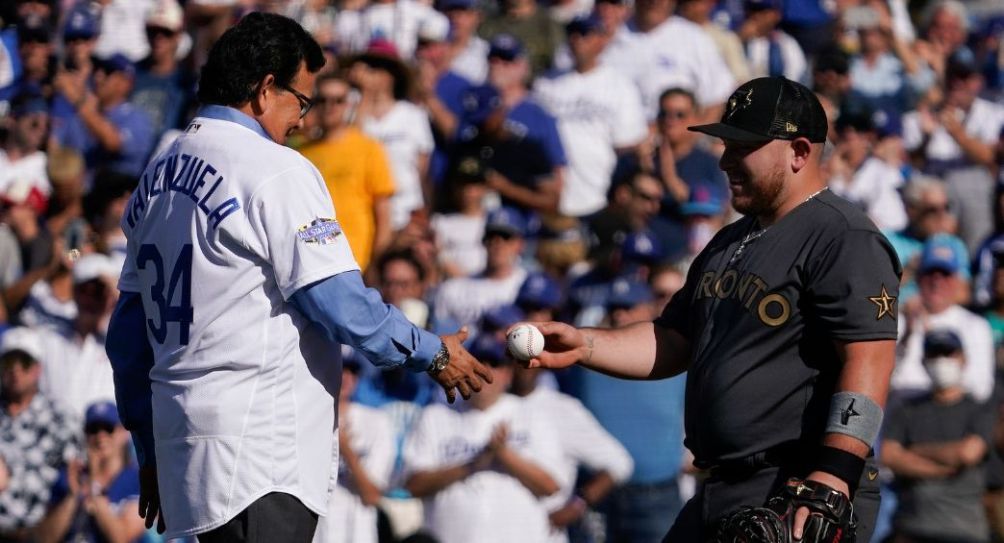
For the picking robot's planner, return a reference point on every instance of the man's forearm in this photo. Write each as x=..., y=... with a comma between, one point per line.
x=905, y=463
x=529, y=474
x=948, y=453
x=104, y=131
x=369, y=492
x=427, y=483
x=637, y=351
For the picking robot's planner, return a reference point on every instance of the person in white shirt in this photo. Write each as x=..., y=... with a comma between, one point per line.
x=956, y=138
x=482, y=468
x=397, y=21
x=584, y=443
x=662, y=50
x=864, y=178
x=465, y=299
x=366, y=457
x=769, y=50
x=460, y=230
x=469, y=51
x=938, y=276
x=599, y=114
x=237, y=290
x=76, y=371
x=123, y=29
x=22, y=160
x=402, y=127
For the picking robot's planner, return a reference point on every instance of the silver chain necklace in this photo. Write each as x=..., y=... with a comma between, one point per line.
x=756, y=234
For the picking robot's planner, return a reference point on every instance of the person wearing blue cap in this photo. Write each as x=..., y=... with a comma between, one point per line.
x=110, y=131
x=516, y=166
x=939, y=281
x=539, y=297
x=482, y=469
x=937, y=447
x=80, y=37
x=532, y=25
x=526, y=120
x=466, y=299
x=862, y=177
x=599, y=113
x=97, y=498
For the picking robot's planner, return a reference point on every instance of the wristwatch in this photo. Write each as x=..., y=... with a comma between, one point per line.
x=440, y=361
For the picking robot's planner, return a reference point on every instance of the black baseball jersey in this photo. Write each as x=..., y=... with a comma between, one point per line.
x=763, y=363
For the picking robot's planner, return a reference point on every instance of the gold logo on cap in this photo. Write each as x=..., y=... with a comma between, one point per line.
x=746, y=95
x=790, y=127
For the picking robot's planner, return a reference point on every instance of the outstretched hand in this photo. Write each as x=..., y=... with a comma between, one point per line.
x=464, y=373
x=564, y=345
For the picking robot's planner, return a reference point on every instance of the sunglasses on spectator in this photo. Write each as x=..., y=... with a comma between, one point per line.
x=332, y=100
x=305, y=102
x=154, y=31
x=96, y=427
x=674, y=114
x=646, y=196
x=934, y=210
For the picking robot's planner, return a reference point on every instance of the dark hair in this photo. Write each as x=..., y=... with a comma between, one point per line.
x=677, y=91
x=405, y=255
x=258, y=45
x=19, y=357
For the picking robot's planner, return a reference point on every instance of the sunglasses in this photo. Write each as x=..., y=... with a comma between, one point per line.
x=154, y=31
x=332, y=100
x=96, y=427
x=935, y=210
x=673, y=114
x=305, y=102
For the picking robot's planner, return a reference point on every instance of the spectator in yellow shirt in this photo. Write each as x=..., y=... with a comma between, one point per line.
x=356, y=171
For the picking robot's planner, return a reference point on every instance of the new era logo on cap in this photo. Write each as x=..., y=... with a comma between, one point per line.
x=770, y=108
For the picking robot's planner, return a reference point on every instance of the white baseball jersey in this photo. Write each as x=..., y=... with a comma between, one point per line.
x=75, y=371
x=224, y=227
x=406, y=135
x=349, y=520
x=875, y=187
x=459, y=239
x=465, y=299
x=489, y=506
x=583, y=442
x=596, y=111
x=982, y=122
x=471, y=62
x=19, y=177
x=758, y=54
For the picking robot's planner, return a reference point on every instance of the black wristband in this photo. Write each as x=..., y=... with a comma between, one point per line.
x=842, y=464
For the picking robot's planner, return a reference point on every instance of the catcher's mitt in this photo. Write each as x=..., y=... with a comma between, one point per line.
x=831, y=517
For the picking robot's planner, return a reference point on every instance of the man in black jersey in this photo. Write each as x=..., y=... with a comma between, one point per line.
x=786, y=327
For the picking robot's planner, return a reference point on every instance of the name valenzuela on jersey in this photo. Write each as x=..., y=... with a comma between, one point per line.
x=185, y=174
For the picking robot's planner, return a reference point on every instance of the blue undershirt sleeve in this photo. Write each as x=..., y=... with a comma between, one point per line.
x=353, y=314
x=131, y=357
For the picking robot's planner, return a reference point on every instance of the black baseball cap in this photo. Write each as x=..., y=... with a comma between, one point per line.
x=770, y=108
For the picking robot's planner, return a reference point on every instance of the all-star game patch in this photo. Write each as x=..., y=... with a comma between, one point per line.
x=319, y=231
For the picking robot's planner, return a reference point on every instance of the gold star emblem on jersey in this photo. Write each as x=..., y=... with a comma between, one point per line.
x=886, y=304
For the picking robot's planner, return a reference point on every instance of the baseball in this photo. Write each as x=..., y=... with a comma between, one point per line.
x=525, y=341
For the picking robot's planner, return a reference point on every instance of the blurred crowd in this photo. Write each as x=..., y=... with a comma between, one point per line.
x=499, y=161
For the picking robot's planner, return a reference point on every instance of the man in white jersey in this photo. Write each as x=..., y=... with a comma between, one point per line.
x=599, y=114
x=237, y=288
x=482, y=468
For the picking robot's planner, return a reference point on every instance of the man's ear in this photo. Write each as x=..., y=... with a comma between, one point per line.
x=801, y=153
x=263, y=94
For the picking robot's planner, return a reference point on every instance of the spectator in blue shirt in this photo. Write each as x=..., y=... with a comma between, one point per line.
x=164, y=89
x=97, y=500
x=111, y=132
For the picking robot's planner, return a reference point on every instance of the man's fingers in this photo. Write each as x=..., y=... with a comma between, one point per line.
x=799, y=525
x=483, y=371
x=465, y=391
x=474, y=383
x=161, y=526
x=451, y=395
x=462, y=334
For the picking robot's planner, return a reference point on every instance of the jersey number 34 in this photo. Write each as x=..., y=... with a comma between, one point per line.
x=181, y=276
